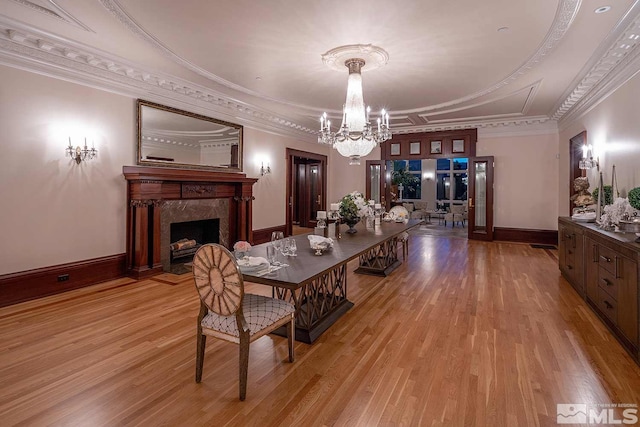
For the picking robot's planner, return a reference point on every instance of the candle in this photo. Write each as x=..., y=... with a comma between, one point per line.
x=378, y=124
x=329, y=125
x=335, y=206
x=321, y=123
x=387, y=116
x=368, y=111
x=69, y=141
x=378, y=206
x=371, y=202
x=322, y=214
x=344, y=114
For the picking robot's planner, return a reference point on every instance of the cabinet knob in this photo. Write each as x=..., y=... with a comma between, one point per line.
x=605, y=259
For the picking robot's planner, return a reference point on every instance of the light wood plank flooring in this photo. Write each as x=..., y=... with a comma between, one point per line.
x=463, y=334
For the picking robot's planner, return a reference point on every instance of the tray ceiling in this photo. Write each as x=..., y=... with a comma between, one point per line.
x=451, y=64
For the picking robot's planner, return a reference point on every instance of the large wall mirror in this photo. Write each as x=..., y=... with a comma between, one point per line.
x=177, y=138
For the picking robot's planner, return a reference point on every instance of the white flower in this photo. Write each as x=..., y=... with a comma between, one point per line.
x=620, y=209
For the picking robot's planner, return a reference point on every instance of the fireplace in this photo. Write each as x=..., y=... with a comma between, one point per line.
x=158, y=197
x=187, y=237
x=206, y=221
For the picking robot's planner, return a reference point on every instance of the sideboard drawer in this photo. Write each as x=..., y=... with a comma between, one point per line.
x=608, y=306
x=608, y=260
x=608, y=282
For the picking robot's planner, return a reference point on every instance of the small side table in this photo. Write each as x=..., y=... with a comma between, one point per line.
x=437, y=214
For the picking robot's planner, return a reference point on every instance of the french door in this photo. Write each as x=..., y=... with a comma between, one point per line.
x=480, y=198
x=375, y=186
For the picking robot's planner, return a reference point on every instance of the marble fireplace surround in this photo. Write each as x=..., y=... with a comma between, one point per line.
x=157, y=196
x=191, y=210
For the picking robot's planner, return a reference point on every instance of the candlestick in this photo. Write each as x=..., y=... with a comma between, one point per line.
x=322, y=215
x=335, y=206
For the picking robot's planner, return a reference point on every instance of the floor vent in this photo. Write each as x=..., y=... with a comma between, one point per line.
x=543, y=246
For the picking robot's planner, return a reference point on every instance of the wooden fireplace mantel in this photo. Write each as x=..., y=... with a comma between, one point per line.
x=148, y=187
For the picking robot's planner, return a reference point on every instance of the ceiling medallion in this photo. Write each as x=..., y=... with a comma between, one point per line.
x=356, y=137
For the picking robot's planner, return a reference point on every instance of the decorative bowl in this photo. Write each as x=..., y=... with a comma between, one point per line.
x=319, y=243
x=631, y=225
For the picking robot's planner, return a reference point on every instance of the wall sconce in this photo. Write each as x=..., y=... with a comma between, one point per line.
x=79, y=154
x=263, y=170
x=587, y=161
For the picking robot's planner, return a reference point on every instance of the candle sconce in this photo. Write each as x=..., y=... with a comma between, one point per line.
x=263, y=170
x=79, y=154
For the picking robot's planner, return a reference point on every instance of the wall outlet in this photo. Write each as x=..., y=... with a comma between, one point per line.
x=63, y=278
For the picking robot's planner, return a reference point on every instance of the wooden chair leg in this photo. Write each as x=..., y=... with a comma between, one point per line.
x=244, y=365
x=291, y=337
x=201, y=343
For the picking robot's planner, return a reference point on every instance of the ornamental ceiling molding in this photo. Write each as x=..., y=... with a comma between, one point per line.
x=55, y=11
x=37, y=51
x=124, y=18
x=613, y=64
x=525, y=124
x=565, y=14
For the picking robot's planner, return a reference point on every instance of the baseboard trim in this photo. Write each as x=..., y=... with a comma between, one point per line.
x=37, y=283
x=264, y=234
x=522, y=235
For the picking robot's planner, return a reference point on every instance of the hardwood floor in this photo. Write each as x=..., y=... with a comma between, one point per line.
x=464, y=333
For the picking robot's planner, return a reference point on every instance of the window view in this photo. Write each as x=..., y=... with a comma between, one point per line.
x=406, y=175
x=451, y=181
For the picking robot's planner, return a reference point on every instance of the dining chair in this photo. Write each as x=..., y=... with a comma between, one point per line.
x=227, y=313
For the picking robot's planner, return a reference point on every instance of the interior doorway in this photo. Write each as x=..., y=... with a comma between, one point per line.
x=306, y=188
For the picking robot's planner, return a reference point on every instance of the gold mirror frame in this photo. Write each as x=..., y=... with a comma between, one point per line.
x=170, y=137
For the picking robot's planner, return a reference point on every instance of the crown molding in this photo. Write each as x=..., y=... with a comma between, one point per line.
x=611, y=65
x=27, y=48
x=565, y=14
x=533, y=123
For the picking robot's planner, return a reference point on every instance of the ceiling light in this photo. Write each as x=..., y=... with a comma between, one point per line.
x=356, y=137
x=603, y=9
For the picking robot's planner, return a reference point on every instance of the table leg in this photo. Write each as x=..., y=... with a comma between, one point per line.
x=318, y=303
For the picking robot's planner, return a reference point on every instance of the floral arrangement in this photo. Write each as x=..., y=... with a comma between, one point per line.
x=620, y=209
x=354, y=205
x=242, y=246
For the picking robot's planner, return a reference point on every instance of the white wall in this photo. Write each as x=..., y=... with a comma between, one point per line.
x=53, y=210
x=270, y=190
x=525, y=179
x=614, y=131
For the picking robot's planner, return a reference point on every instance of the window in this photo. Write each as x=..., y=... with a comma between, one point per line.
x=452, y=181
x=409, y=174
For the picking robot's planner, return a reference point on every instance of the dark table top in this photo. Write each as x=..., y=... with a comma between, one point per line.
x=307, y=266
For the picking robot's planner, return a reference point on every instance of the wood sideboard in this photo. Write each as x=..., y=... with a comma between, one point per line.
x=149, y=187
x=602, y=266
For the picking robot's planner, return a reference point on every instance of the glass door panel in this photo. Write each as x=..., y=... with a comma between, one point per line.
x=375, y=181
x=480, y=203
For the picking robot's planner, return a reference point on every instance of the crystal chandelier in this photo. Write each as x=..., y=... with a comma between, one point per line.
x=355, y=138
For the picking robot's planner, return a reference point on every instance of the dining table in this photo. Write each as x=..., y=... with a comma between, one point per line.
x=317, y=284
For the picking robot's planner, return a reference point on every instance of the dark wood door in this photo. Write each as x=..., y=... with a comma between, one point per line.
x=480, y=199
x=306, y=188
